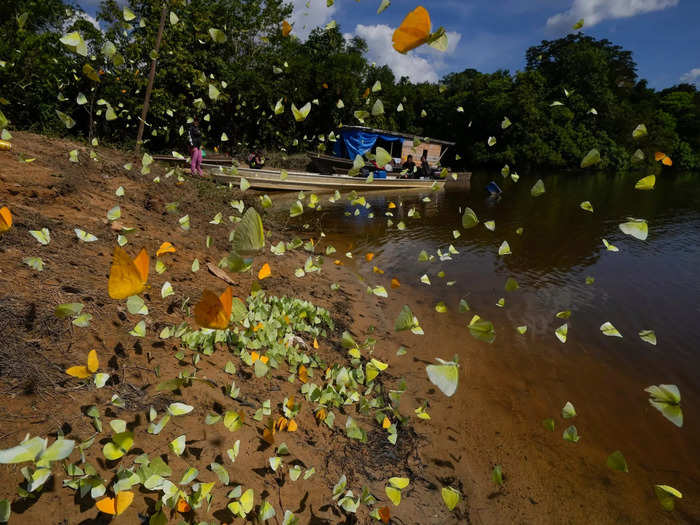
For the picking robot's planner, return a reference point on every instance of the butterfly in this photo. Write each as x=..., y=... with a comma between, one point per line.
x=5, y=219
x=127, y=277
x=83, y=372
x=301, y=114
x=212, y=311
x=166, y=247
x=264, y=271
x=303, y=374
x=414, y=31
x=665, y=159
x=286, y=28
x=116, y=505
x=183, y=507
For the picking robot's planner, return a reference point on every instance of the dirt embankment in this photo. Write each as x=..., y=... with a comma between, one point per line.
x=39, y=398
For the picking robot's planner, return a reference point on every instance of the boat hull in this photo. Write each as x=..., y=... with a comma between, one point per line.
x=295, y=181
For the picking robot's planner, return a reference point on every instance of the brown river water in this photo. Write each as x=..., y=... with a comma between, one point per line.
x=508, y=387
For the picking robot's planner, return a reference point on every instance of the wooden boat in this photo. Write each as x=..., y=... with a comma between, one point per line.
x=268, y=179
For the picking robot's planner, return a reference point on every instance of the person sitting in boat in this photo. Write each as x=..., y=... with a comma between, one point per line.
x=408, y=169
x=256, y=161
x=425, y=169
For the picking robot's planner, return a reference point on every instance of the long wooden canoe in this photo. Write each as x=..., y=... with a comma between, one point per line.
x=267, y=179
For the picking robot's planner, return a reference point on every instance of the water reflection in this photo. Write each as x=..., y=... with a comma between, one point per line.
x=650, y=284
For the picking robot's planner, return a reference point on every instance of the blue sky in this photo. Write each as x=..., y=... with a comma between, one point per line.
x=494, y=34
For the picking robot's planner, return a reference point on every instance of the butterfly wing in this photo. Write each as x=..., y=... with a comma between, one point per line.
x=209, y=312
x=166, y=247
x=226, y=300
x=107, y=505
x=124, y=276
x=5, y=219
x=81, y=372
x=413, y=31
x=286, y=28
x=141, y=262
x=264, y=271
x=123, y=500
x=93, y=363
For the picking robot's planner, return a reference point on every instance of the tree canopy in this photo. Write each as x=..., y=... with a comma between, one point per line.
x=228, y=62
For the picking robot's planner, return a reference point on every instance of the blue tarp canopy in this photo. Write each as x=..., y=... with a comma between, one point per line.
x=359, y=142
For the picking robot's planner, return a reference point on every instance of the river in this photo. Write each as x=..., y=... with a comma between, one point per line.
x=651, y=284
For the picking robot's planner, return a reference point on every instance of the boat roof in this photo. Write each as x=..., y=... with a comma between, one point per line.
x=427, y=140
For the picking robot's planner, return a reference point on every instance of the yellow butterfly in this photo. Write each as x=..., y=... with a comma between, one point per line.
x=166, y=247
x=5, y=219
x=414, y=31
x=116, y=505
x=212, y=311
x=127, y=277
x=83, y=372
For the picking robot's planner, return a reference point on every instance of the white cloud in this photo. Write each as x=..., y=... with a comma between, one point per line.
x=421, y=65
x=692, y=76
x=305, y=19
x=595, y=11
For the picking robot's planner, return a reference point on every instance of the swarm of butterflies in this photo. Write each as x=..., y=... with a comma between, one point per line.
x=128, y=277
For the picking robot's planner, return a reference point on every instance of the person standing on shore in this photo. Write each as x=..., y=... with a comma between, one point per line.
x=194, y=136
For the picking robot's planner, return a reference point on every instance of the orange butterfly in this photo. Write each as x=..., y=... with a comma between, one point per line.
x=83, y=372
x=385, y=514
x=166, y=247
x=414, y=31
x=395, y=283
x=5, y=219
x=286, y=28
x=264, y=271
x=369, y=256
x=183, y=507
x=212, y=311
x=127, y=277
x=366, y=93
x=303, y=374
x=254, y=356
x=269, y=432
x=116, y=505
x=665, y=159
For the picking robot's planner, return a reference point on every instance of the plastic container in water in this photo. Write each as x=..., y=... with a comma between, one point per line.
x=5, y=146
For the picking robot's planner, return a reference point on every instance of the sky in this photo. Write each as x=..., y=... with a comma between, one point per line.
x=488, y=35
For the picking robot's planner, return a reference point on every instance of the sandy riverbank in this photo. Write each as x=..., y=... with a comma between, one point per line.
x=494, y=418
